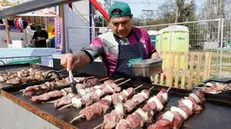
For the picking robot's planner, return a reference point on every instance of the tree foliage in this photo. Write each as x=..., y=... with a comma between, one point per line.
x=185, y=11
x=212, y=9
x=169, y=12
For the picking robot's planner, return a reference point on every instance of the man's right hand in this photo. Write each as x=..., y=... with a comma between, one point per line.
x=69, y=61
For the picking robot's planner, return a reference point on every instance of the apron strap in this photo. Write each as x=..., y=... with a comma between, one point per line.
x=137, y=39
x=149, y=48
x=119, y=42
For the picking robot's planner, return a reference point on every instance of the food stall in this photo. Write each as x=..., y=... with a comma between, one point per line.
x=17, y=31
x=36, y=96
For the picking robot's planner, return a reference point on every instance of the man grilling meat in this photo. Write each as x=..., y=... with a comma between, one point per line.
x=118, y=48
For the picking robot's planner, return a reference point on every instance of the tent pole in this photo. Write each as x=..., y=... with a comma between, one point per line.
x=7, y=32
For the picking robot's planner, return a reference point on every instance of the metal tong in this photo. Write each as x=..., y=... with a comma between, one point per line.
x=3, y=62
x=72, y=83
x=56, y=72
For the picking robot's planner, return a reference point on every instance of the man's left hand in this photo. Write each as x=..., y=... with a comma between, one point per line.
x=155, y=55
x=41, y=39
x=38, y=39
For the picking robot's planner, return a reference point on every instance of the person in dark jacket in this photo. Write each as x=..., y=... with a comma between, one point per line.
x=40, y=36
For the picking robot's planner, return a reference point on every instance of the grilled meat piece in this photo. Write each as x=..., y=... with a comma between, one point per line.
x=96, y=109
x=161, y=124
x=13, y=81
x=91, y=81
x=111, y=119
x=130, y=105
x=47, y=96
x=135, y=120
x=65, y=100
x=123, y=124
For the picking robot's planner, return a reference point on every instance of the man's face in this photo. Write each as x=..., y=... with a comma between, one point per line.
x=121, y=26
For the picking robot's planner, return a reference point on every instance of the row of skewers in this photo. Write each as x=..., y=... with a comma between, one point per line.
x=136, y=117
x=175, y=116
x=98, y=98
x=59, y=84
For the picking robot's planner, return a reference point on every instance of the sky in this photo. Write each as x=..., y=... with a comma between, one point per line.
x=138, y=5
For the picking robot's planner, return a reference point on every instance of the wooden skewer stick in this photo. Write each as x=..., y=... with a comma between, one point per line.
x=76, y=118
x=100, y=125
x=124, y=82
x=151, y=88
x=119, y=79
x=103, y=79
x=66, y=106
x=138, y=87
x=169, y=89
x=89, y=77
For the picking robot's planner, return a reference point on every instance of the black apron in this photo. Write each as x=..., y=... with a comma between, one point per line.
x=127, y=55
x=40, y=44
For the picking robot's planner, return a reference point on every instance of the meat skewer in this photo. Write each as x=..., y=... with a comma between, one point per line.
x=82, y=90
x=101, y=107
x=63, y=92
x=47, y=96
x=45, y=87
x=93, y=97
x=74, y=101
x=175, y=117
x=112, y=118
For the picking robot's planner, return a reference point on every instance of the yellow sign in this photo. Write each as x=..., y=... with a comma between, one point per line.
x=9, y=3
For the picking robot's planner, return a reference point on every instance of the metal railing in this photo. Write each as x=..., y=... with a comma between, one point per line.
x=204, y=36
